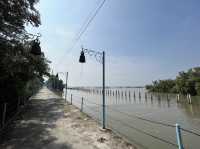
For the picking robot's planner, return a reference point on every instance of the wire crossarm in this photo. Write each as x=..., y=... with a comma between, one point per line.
x=97, y=55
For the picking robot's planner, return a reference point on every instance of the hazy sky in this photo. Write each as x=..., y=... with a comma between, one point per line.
x=144, y=40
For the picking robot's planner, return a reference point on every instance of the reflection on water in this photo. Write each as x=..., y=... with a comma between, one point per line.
x=123, y=105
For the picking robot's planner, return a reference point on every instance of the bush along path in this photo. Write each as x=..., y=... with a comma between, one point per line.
x=50, y=123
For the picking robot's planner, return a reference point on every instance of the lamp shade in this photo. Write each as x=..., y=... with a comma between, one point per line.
x=82, y=57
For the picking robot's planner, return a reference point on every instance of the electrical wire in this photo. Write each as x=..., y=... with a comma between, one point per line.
x=87, y=20
x=80, y=33
x=91, y=19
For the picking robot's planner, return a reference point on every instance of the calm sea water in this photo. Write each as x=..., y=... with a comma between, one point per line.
x=126, y=114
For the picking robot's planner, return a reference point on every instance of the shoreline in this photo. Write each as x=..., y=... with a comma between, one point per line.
x=102, y=136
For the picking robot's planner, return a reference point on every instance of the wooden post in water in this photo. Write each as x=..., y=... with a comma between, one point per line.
x=139, y=95
x=151, y=98
x=134, y=95
x=116, y=96
x=159, y=100
x=145, y=97
x=159, y=97
x=167, y=96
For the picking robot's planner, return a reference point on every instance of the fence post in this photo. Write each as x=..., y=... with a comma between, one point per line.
x=178, y=97
x=189, y=98
x=82, y=104
x=134, y=95
x=178, y=137
x=4, y=114
x=71, y=99
x=139, y=95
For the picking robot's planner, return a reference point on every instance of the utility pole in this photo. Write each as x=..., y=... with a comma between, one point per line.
x=66, y=86
x=100, y=57
x=104, y=116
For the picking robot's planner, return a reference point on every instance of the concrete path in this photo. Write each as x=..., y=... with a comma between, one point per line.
x=49, y=123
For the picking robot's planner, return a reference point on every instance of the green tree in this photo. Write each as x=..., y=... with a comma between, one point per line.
x=21, y=72
x=181, y=83
x=185, y=83
x=14, y=15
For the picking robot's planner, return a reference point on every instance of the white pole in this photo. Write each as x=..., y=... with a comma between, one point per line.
x=66, y=86
x=104, y=116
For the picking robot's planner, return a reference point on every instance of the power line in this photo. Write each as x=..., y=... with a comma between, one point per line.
x=80, y=33
x=91, y=19
x=86, y=21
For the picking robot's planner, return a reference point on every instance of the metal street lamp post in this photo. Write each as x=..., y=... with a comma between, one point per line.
x=100, y=57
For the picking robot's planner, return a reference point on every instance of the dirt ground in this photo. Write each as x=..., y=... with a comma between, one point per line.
x=49, y=123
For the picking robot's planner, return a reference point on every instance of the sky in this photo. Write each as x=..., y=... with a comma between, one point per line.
x=143, y=40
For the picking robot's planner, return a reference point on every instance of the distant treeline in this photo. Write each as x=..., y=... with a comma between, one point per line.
x=55, y=83
x=107, y=87
x=185, y=83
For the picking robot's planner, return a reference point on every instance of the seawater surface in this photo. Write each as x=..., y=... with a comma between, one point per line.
x=142, y=117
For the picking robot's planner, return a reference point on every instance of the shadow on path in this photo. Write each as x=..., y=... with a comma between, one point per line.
x=33, y=128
